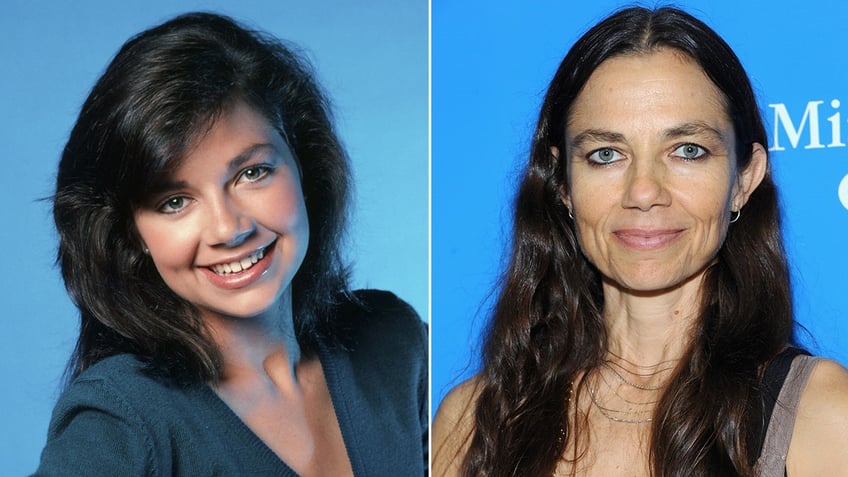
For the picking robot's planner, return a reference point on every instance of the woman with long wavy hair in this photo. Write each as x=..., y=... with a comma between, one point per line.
x=644, y=324
x=200, y=204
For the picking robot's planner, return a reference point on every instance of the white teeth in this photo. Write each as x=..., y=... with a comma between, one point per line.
x=239, y=265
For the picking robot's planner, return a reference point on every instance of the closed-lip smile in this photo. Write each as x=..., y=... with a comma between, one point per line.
x=647, y=239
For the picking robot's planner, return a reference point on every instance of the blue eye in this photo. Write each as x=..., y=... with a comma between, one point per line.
x=173, y=204
x=254, y=173
x=689, y=151
x=604, y=155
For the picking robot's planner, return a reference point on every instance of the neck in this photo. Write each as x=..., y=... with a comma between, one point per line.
x=259, y=348
x=650, y=328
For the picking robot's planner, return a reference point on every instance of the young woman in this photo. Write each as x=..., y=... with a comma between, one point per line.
x=644, y=325
x=200, y=204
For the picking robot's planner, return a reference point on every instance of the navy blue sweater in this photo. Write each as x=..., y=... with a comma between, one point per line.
x=115, y=419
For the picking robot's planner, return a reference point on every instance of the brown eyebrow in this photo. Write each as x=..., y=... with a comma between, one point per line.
x=597, y=135
x=692, y=129
x=247, y=154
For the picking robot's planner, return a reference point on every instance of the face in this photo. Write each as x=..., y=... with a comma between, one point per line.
x=652, y=171
x=230, y=230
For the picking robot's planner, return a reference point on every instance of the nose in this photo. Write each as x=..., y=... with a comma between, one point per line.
x=645, y=185
x=228, y=224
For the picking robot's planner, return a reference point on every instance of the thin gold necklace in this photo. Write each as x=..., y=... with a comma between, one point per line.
x=630, y=383
x=642, y=365
x=628, y=401
x=607, y=412
x=635, y=373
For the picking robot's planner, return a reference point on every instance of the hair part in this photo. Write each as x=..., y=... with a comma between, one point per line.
x=547, y=324
x=161, y=93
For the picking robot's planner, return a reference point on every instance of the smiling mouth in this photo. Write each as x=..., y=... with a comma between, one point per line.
x=224, y=269
x=647, y=239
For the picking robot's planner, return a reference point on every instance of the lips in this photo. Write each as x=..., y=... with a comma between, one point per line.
x=647, y=239
x=242, y=272
x=239, y=265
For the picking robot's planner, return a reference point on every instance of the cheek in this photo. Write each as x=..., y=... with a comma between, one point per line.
x=708, y=198
x=300, y=229
x=170, y=245
x=591, y=204
x=715, y=220
x=289, y=219
x=281, y=209
x=293, y=225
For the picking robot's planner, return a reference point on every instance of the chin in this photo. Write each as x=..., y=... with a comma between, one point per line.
x=248, y=307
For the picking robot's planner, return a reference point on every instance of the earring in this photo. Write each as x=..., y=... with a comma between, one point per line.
x=735, y=218
x=146, y=250
x=571, y=215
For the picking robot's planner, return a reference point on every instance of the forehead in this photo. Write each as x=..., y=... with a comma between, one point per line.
x=646, y=91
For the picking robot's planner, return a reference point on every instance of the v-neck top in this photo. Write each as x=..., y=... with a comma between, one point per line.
x=116, y=419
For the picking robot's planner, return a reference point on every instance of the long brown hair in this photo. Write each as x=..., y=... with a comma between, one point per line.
x=547, y=323
x=161, y=90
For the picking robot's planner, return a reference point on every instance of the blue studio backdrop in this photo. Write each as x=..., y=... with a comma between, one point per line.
x=372, y=60
x=491, y=63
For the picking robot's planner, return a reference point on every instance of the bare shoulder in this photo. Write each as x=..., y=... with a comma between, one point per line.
x=452, y=427
x=820, y=436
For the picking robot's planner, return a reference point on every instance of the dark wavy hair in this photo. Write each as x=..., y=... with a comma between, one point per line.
x=164, y=88
x=547, y=324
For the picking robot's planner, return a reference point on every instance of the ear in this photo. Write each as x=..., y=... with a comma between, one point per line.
x=749, y=179
x=563, y=194
x=137, y=236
